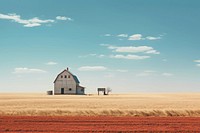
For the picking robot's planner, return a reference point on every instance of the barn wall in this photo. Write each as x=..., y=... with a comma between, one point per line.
x=65, y=83
x=79, y=90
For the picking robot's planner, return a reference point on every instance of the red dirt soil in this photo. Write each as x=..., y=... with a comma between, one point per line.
x=98, y=124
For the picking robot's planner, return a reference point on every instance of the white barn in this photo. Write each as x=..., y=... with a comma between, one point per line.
x=67, y=84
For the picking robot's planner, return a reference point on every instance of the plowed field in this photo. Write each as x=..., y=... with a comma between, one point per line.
x=98, y=124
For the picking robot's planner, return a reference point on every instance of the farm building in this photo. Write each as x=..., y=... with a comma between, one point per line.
x=67, y=84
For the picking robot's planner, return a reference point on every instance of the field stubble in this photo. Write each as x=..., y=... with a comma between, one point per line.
x=182, y=104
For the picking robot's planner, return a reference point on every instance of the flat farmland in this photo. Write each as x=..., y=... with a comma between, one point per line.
x=176, y=104
x=98, y=124
x=91, y=113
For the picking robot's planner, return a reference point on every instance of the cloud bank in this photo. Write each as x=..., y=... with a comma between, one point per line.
x=140, y=37
x=26, y=22
x=92, y=68
x=131, y=49
x=33, y=22
x=25, y=70
x=129, y=57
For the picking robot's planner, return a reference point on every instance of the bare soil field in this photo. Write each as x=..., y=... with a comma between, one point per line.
x=180, y=104
x=91, y=113
x=98, y=124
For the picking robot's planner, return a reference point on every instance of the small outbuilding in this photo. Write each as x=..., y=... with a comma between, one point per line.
x=67, y=84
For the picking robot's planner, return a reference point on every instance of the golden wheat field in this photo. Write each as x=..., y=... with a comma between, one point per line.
x=180, y=104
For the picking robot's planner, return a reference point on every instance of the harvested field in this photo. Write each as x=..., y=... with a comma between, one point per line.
x=98, y=124
x=180, y=104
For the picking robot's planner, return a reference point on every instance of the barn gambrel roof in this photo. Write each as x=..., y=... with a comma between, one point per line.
x=74, y=76
x=76, y=79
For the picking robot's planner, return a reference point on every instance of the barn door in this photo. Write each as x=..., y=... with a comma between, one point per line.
x=62, y=90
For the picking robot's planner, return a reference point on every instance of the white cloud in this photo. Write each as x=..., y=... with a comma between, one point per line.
x=107, y=35
x=64, y=18
x=152, y=52
x=153, y=73
x=167, y=74
x=122, y=35
x=27, y=23
x=112, y=47
x=198, y=65
x=105, y=45
x=109, y=46
x=139, y=37
x=130, y=57
x=32, y=25
x=92, y=55
x=135, y=37
x=92, y=68
x=101, y=55
x=27, y=70
x=198, y=61
x=131, y=49
x=152, y=38
x=51, y=63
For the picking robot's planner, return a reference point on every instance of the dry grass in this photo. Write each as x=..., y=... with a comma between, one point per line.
x=182, y=104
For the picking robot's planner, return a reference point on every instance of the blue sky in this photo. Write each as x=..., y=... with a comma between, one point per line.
x=127, y=45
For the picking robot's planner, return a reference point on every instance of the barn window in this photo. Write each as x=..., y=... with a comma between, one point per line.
x=82, y=90
x=61, y=76
x=65, y=76
x=68, y=76
x=70, y=89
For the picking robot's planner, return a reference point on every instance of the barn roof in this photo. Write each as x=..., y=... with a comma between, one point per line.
x=74, y=76
x=81, y=87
